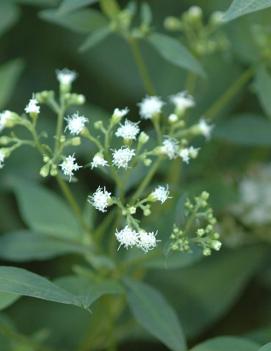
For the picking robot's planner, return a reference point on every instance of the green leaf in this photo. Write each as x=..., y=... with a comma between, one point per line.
x=38, y=2
x=262, y=86
x=173, y=51
x=9, y=74
x=242, y=7
x=153, y=312
x=71, y=5
x=204, y=292
x=9, y=14
x=45, y=212
x=226, y=343
x=7, y=299
x=266, y=347
x=239, y=129
x=22, y=282
x=24, y=245
x=88, y=289
x=146, y=13
x=95, y=38
x=80, y=21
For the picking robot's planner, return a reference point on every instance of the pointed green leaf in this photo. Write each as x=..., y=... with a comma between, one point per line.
x=79, y=21
x=173, y=51
x=7, y=299
x=24, y=245
x=266, y=347
x=95, y=38
x=9, y=14
x=238, y=130
x=226, y=343
x=262, y=85
x=44, y=211
x=9, y=74
x=22, y=282
x=71, y=5
x=88, y=289
x=242, y=7
x=153, y=312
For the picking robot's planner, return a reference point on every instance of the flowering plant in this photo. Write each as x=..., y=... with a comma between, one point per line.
x=126, y=211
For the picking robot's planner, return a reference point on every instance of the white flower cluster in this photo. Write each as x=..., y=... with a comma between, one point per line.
x=182, y=101
x=128, y=237
x=98, y=161
x=76, y=123
x=254, y=207
x=205, y=128
x=119, y=113
x=128, y=130
x=101, y=199
x=2, y=158
x=172, y=150
x=65, y=76
x=69, y=166
x=122, y=157
x=161, y=193
x=32, y=106
x=150, y=107
x=5, y=118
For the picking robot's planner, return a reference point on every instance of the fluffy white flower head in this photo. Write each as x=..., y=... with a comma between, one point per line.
x=127, y=237
x=161, y=193
x=147, y=241
x=76, y=123
x=187, y=153
x=66, y=76
x=122, y=157
x=182, y=101
x=205, y=128
x=2, y=158
x=119, y=113
x=98, y=161
x=150, y=106
x=5, y=117
x=100, y=199
x=128, y=130
x=69, y=166
x=170, y=148
x=32, y=106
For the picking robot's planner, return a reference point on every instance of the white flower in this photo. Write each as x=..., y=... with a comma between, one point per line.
x=161, y=193
x=66, y=76
x=98, y=161
x=128, y=130
x=182, y=101
x=2, y=158
x=188, y=152
x=127, y=237
x=5, y=117
x=32, y=106
x=122, y=157
x=76, y=123
x=119, y=113
x=150, y=106
x=170, y=148
x=147, y=241
x=205, y=128
x=69, y=166
x=100, y=199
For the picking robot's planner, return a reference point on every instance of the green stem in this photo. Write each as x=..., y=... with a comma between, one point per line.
x=146, y=180
x=72, y=202
x=229, y=94
x=144, y=74
x=60, y=121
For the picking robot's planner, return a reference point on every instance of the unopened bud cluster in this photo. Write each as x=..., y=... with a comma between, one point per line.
x=207, y=36
x=199, y=228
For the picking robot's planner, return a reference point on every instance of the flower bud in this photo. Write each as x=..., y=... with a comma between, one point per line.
x=44, y=171
x=143, y=138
